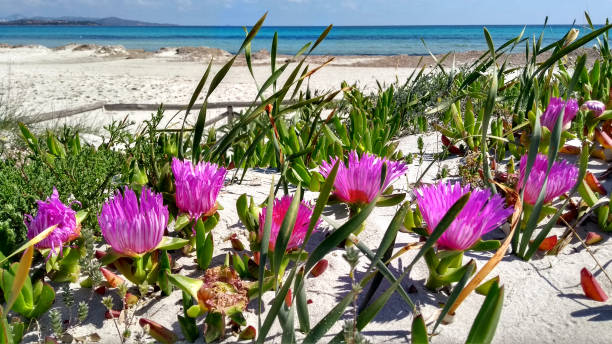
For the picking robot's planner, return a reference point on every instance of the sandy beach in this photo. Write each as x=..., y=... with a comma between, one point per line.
x=44, y=80
x=40, y=79
x=544, y=300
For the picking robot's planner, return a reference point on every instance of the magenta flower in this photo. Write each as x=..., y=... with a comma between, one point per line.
x=553, y=110
x=197, y=187
x=359, y=182
x=563, y=176
x=53, y=212
x=278, y=215
x=594, y=105
x=131, y=227
x=481, y=214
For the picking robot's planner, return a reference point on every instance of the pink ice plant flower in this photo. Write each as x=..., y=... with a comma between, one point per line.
x=481, y=214
x=594, y=105
x=302, y=221
x=358, y=183
x=562, y=177
x=553, y=110
x=52, y=212
x=132, y=227
x=197, y=187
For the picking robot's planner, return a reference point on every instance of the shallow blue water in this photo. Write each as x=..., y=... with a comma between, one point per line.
x=345, y=40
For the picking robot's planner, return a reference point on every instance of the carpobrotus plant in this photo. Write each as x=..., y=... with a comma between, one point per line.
x=554, y=109
x=298, y=232
x=595, y=106
x=359, y=182
x=481, y=214
x=62, y=261
x=197, y=187
x=561, y=178
x=281, y=206
x=219, y=294
x=134, y=228
x=52, y=212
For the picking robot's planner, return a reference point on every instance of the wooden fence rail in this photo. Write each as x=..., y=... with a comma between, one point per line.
x=47, y=116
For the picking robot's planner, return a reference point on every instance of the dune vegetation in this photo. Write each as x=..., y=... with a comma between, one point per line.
x=116, y=218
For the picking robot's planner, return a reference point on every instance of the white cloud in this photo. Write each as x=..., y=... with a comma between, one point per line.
x=349, y=4
x=183, y=4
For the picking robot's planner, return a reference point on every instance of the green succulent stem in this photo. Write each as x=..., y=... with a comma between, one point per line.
x=139, y=271
x=444, y=268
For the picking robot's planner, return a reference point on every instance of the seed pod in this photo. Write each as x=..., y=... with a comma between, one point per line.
x=113, y=280
x=112, y=314
x=592, y=238
x=548, y=243
x=319, y=268
x=236, y=243
x=158, y=332
x=591, y=287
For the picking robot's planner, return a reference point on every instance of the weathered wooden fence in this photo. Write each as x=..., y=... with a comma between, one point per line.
x=47, y=116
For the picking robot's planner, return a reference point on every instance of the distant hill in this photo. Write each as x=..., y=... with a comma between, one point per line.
x=77, y=21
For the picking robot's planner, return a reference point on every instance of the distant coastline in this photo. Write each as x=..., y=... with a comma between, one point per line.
x=74, y=21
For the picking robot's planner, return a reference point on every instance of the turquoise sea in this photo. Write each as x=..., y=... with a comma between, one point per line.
x=343, y=40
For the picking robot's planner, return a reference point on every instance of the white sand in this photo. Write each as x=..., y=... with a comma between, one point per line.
x=544, y=302
x=44, y=80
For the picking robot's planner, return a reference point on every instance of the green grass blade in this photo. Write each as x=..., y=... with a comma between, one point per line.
x=489, y=43
x=302, y=50
x=197, y=133
x=321, y=38
x=20, y=278
x=273, y=55
x=324, y=194
x=271, y=80
x=247, y=55
x=301, y=302
x=385, y=249
x=384, y=271
x=392, y=230
x=194, y=97
x=284, y=233
x=279, y=300
x=285, y=316
x=489, y=106
x=419, y=331
x=252, y=33
x=328, y=321
x=485, y=324
x=220, y=76
x=249, y=153
x=339, y=235
x=370, y=312
x=571, y=47
x=263, y=250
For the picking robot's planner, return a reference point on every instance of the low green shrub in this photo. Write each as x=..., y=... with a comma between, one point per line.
x=80, y=172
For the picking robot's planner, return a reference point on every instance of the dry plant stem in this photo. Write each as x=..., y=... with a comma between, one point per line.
x=587, y=249
x=118, y=330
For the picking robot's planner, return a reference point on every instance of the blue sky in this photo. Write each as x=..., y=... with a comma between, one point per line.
x=321, y=12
